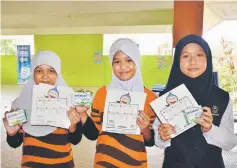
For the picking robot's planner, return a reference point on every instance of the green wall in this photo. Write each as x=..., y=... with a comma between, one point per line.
x=76, y=53
x=8, y=69
x=78, y=68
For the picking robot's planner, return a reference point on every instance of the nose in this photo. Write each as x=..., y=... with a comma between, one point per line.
x=193, y=59
x=45, y=77
x=123, y=65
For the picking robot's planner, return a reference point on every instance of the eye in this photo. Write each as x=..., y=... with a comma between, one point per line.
x=200, y=54
x=116, y=62
x=52, y=71
x=38, y=70
x=185, y=56
x=129, y=60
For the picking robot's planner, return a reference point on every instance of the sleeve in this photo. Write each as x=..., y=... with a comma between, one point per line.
x=223, y=136
x=15, y=140
x=89, y=129
x=158, y=141
x=93, y=124
x=76, y=136
x=148, y=110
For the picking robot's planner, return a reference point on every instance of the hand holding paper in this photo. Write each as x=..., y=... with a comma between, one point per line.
x=11, y=130
x=166, y=131
x=207, y=119
x=177, y=108
x=82, y=111
x=143, y=121
x=74, y=118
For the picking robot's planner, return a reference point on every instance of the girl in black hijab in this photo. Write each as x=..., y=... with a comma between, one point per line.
x=200, y=146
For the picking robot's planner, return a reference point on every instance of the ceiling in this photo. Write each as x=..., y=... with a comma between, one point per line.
x=43, y=17
x=226, y=9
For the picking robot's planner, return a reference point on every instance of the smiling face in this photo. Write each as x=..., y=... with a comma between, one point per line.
x=52, y=94
x=45, y=74
x=193, y=60
x=123, y=66
x=171, y=99
x=125, y=100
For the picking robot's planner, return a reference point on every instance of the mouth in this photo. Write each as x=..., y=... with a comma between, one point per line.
x=172, y=102
x=124, y=73
x=193, y=69
x=45, y=82
x=124, y=102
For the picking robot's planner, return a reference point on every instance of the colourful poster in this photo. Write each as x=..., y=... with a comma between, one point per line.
x=97, y=57
x=24, y=63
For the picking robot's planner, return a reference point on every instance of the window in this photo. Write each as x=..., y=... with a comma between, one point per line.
x=223, y=42
x=9, y=43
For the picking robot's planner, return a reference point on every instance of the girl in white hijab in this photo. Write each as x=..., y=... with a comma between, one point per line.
x=121, y=150
x=44, y=146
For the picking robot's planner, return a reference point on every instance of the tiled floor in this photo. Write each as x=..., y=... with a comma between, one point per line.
x=84, y=152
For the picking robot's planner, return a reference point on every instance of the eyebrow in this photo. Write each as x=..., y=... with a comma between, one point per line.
x=114, y=59
x=183, y=52
x=43, y=68
x=196, y=51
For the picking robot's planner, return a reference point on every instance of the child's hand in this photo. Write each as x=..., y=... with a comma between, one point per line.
x=82, y=111
x=74, y=118
x=11, y=130
x=165, y=131
x=143, y=121
x=207, y=117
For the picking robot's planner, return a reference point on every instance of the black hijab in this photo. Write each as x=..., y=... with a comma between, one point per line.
x=202, y=87
x=206, y=93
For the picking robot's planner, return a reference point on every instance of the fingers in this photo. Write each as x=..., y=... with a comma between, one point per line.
x=143, y=120
x=207, y=119
x=73, y=116
x=87, y=107
x=203, y=124
x=6, y=113
x=81, y=109
x=207, y=109
x=143, y=115
x=165, y=131
x=4, y=120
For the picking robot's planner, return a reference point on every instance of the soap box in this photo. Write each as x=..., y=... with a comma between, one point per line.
x=82, y=98
x=16, y=117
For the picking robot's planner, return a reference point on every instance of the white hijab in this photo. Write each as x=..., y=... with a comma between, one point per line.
x=24, y=101
x=130, y=48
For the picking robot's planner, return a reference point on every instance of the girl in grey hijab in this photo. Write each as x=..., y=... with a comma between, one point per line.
x=44, y=146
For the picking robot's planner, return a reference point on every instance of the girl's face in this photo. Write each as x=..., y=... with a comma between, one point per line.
x=193, y=60
x=123, y=66
x=45, y=74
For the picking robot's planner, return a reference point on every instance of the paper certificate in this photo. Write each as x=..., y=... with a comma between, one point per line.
x=50, y=105
x=178, y=108
x=121, y=112
x=122, y=117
